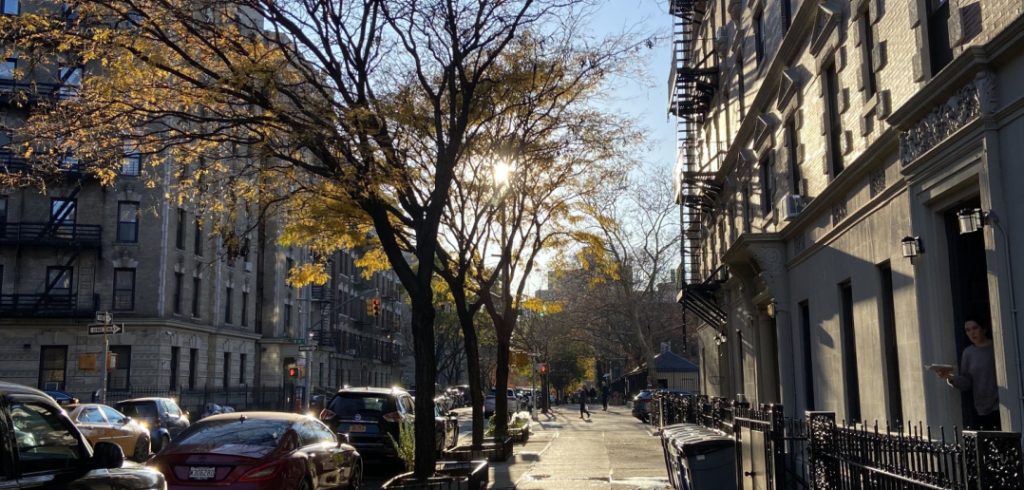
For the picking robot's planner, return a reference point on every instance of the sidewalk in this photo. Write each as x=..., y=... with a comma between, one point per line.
x=612, y=450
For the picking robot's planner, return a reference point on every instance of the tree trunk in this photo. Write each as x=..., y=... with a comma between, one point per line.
x=501, y=383
x=476, y=393
x=426, y=375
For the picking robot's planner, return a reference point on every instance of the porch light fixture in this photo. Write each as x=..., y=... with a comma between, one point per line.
x=971, y=220
x=770, y=308
x=911, y=246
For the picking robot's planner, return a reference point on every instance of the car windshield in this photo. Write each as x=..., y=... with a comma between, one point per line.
x=140, y=410
x=362, y=404
x=246, y=437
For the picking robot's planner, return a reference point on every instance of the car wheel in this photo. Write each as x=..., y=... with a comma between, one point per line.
x=141, y=452
x=355, y=482
x=164, y=441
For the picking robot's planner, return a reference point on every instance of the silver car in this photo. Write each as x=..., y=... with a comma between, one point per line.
x=513, y=402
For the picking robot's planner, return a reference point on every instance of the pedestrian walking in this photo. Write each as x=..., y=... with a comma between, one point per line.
x=583, y=403
x=604, y=397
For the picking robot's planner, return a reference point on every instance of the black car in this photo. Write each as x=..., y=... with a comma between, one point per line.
x=61, y=398
x=162, y=415
x=373, y=419
x=41, y=448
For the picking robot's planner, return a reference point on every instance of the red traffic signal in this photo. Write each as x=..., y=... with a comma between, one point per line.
x=375, y=306
x=543, y=368
x=293, y=372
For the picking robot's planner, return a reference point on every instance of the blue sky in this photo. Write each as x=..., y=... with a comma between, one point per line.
x=646, y=100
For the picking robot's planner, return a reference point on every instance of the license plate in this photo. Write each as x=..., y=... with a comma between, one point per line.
x=357, y=428
x=201, y=472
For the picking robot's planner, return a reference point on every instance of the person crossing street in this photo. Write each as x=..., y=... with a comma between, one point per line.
x=583, y=403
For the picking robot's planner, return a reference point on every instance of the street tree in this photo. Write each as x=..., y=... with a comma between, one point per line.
x=367, y=106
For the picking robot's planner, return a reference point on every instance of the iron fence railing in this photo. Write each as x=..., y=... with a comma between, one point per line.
x=816, y=452
x=51, y=234
x=241, y=398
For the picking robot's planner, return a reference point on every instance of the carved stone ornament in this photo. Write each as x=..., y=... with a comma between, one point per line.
x=771, y=260
x=825, y=21
x=876, y=183
x=788, y=86
x=964, y=106
x=838, y=213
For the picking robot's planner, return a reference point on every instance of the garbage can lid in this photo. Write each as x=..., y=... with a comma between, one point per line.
x=707, y=444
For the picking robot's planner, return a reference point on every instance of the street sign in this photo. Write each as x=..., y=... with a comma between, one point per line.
x=106, y=329
x=103, y=317
x=307, y=347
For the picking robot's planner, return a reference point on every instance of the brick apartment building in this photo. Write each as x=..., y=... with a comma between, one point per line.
x=846, y=172
x=197, y=318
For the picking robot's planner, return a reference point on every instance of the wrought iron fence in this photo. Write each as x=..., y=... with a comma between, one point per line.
x=816, y=452
x=240, y=398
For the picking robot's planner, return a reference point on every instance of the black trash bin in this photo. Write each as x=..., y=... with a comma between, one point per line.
x=698, y=458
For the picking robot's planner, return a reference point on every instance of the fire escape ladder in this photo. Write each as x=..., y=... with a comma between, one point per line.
x=60, y=215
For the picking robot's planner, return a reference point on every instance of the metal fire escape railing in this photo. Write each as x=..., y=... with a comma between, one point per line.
x=693, y=83
x=692, y=86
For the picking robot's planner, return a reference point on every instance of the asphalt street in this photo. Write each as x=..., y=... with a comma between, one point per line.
x=612, y=450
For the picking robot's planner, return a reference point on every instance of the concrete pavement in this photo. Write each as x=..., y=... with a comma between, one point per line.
x=612, y=450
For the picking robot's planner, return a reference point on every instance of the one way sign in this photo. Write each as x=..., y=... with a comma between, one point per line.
x=106, y=329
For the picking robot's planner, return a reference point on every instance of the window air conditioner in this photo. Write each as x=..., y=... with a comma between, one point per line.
x=794, y=204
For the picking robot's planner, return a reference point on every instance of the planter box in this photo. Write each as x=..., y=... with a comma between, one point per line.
x=490, y=451
x=450, y=475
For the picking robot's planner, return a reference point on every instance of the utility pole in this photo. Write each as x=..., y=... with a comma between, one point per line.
x=104, y=326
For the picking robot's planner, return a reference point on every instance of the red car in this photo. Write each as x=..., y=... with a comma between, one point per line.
x=259, y=450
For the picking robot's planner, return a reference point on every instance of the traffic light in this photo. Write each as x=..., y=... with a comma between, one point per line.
x=375, y=306
x=293, y=372
x=543, y=368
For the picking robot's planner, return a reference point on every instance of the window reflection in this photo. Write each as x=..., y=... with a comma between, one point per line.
x=45, y=442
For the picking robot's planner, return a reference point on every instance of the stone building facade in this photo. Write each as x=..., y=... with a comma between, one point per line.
x=828, y=151
x=197, y=316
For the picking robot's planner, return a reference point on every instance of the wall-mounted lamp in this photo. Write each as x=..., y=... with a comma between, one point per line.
x=971, y=220
x=720, y=339
x=770, y=308
x=911, y=247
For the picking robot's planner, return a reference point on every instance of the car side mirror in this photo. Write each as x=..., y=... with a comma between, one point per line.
x=343, y=438
x=126, y=421
x=107, y=455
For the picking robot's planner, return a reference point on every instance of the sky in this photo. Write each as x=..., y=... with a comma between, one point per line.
x=646, y=100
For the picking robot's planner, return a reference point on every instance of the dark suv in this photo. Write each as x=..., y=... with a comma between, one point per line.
x=370, y=415
x=41, y=448
x=162, y=415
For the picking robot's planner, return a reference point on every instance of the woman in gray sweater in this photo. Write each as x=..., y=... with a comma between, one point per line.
x=978, y=375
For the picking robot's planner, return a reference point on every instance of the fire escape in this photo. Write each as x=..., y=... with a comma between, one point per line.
x=61, y=233
x=692, y=86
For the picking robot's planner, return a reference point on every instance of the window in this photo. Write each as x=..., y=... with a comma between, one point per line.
x=758, y=22
x=893, y=389
x=245, y=309
x=807, y=337
x=228, y=293
x=3, y=216
x=289, y=266
x=91, y=415
x=867, y=46
x=53, y=361
x=11, y=7
x=741, y=83
x=131, y=164
x=175, y=361
x=113, y=416
x=767, y=191
x=196, y=283
x=48, y=443
x=787, y=13
x=58, y=279
x=227, y=369
x=176, y=299
x=179, y=231
x=193, y=367
x=63, y=211
x=70, y=80
x=747, y=213
x=939, y=51
x=124, y=289
x=849, y=344
x=833, y=127
x=127, y=222
x=197, y=242
x=119, y=378
x=792, y=147
x=7, y=68
x=241, y=369
x=288, y=316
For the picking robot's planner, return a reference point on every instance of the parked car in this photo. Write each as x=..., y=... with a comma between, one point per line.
x=259, y=450
x=61, y=397
x=373, y=418
x=446, y=424
x=41, y=448
x=513, y=402
x=102, y=423
x=642, y=405
x=163, y=416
